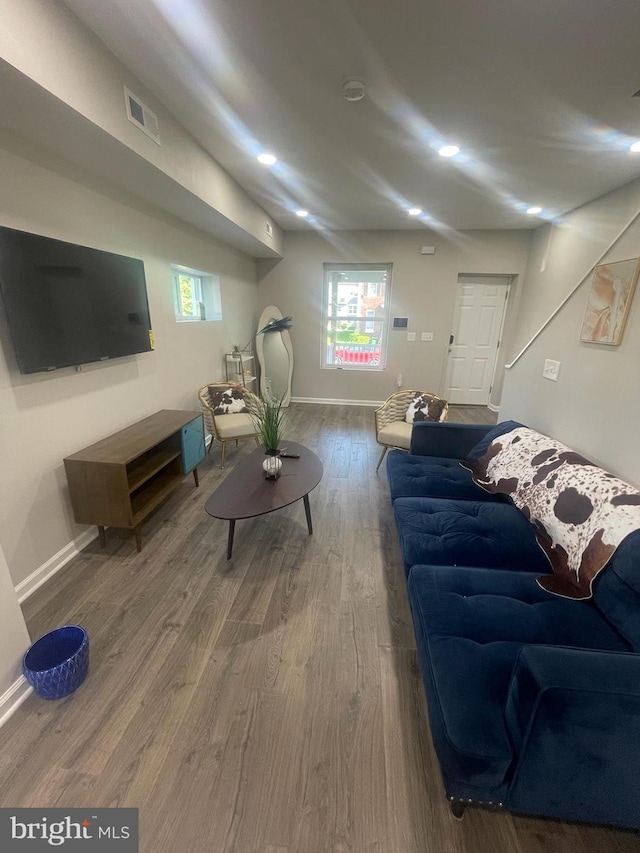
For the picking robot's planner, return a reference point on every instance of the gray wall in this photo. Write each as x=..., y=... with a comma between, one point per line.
x=48, y=416
x=423, y=289
x=595, y=405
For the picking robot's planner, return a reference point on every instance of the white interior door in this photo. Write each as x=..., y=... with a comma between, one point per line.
x=474, y=341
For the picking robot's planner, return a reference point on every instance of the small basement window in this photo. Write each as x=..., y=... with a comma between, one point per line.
x=196, y=295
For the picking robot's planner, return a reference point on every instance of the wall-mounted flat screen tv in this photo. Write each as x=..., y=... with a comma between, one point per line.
x=68, y=305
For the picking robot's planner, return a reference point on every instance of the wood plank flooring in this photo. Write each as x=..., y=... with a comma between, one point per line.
x=266, y=704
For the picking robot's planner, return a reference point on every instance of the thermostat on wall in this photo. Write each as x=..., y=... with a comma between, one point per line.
x=400, y=322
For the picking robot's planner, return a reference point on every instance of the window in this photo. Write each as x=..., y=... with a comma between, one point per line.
x=361, y=293
x=369, y=326
x=196, y=295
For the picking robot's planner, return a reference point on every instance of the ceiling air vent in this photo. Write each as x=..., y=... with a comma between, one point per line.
x=142, y=116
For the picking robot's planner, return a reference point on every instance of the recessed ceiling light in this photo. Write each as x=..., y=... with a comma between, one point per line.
x=448, y=151
x=415, y=211
x=302, y=213
x=532, y=211
x=635, y=147
x=267, y=159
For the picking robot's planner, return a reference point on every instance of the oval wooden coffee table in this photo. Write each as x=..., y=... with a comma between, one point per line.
x=245, y=493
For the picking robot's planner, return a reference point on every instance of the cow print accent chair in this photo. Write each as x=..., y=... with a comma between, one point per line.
x=229, y=411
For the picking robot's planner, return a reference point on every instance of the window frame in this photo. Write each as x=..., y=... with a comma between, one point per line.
x=207, y=294
x=383, y=320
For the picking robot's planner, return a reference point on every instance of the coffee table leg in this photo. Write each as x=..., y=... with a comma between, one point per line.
x=232, y=527
x=307, y=511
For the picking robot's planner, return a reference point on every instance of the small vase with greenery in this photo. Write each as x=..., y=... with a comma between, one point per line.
x=269, y=423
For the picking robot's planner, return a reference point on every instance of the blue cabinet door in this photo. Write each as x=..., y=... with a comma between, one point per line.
x=192, y=439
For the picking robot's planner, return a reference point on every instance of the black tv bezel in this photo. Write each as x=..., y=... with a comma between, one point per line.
x=26, y=369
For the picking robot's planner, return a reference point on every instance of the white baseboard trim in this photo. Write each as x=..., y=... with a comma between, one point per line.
x=12, y=698
x=42, y=574
x=492, y=407
x=330, y=401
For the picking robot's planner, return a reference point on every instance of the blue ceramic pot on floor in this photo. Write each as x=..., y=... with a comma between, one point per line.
x=57, y=663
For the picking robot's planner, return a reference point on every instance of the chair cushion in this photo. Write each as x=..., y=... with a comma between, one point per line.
x=440, y=532
x=235, y=426
x=396, y=434
x=226, y=401
x=433, y=477
x=470, y=626
x=425, y=407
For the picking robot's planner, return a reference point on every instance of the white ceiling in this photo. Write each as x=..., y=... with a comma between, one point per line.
x=538, y=95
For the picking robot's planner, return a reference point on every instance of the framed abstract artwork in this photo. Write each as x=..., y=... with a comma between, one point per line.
x=609, y=301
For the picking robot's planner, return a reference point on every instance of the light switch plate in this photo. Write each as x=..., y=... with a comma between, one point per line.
x=411, y=336
x=426, y=336
x=551, y=369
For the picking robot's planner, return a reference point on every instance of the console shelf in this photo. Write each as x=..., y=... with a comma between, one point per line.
x=139, y=474
x=120, y=480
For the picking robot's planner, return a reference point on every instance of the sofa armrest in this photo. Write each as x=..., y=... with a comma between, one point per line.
x=446, y=439
x=573, y=716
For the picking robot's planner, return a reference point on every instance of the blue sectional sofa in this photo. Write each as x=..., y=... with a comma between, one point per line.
x=534, y=699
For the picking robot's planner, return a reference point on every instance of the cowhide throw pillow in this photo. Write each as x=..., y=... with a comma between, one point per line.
x=227, y=401
x=425, y=407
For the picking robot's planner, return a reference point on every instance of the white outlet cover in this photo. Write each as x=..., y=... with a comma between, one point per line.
x=426, y=336
x=551, y=369
x=411, y=336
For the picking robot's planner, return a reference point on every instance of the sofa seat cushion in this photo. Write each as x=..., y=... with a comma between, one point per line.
x=466, y=533
x=470, y=626
x=433, y=477
x=396, y=434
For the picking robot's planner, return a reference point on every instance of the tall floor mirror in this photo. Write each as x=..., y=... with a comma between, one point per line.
x=274, y=352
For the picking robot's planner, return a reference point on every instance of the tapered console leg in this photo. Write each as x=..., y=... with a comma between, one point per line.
x=457, y=808
x=195, y=477
x=102, y=536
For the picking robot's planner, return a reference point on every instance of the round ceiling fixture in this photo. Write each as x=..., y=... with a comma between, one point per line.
x=267, y=159
x=353, y=89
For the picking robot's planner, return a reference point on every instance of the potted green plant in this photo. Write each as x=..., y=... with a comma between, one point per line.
x=269, y=422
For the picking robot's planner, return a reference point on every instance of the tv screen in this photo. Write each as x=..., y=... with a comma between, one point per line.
x=68, y=305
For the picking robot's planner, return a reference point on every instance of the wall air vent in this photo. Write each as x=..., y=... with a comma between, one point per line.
x=140, y=115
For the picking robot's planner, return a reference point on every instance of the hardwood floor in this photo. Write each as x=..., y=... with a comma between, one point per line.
x=266, y=704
